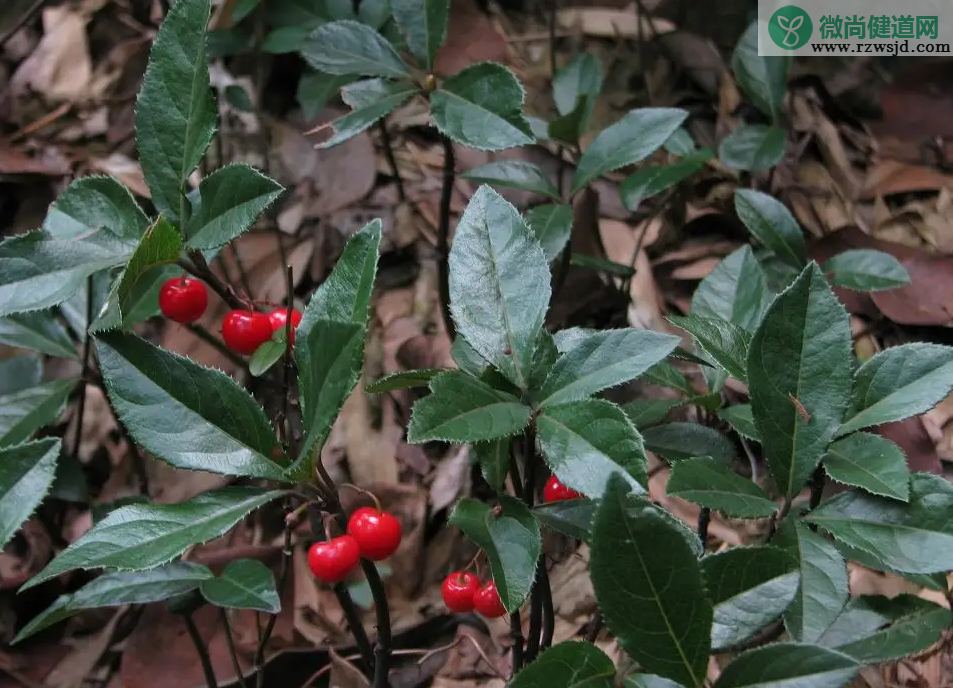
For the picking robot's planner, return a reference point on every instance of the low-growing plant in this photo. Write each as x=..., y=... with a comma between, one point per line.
x=528, y=401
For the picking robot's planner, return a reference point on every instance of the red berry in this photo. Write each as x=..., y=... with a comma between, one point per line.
x=331, y=561
x=555, y=491
x=487, y=601
x=245, y=331
x=279, y=319
x=458, y=591
x=377, y=532
x=183, y=299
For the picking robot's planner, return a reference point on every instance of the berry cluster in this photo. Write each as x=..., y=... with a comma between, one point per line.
x=464, y=592
x=371, y=533
x=184, y=300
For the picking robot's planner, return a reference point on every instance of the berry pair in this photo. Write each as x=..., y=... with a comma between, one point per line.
x=184, y=300
x=463, y=592
x=371, y=534
x=555, y=491
x=245, y=331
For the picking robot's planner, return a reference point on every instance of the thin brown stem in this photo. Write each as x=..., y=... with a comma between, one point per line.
x=202, y=650
x=704, y=518
x=197, y=267
x=242, y=273
x=86, y=362
x=391, y=159
x=287, y=428
x=443, y=234
x=273, y=618
x=230, y=641
x=214, y=341
x=516, y=636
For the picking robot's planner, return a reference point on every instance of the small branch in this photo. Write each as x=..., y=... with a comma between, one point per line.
x=704, y=518
x=357, y=628
x=242, y=274
x=549, y=614
x=23, y=19
x=84, y=376
x=287, y=429
x=516, y=635
x=776, y=518
x=230, y=641
x=560, y=158
x=817, y=486
x=382, y=648
x=391, y=158
x=273, y=618
x=197, y=267
x=202, y=650
x=214, y=341
x=443, y=234
x=535, y=613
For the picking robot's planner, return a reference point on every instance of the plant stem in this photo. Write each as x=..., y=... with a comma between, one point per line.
x=443, y=234
x=287, y=429
x=535, y=614
x=817, y=486
x=595, y=625
x=214, y=341
x=242, y=274
x=273, y=618
x=549, y=614
x=382, y=647
x=357, y=628
x=560, y=159
x=391, y=158
x=197, y=267
x=84, y=376
x=202, y=650
x=704, y=518
x=516, y=635
x=230, y=641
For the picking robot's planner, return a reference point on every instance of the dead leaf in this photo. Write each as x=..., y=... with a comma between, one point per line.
x=605, y=22
x=471, y=38
x=344, y=674
x=84, y=655
x=13, y=161
x=451, y=478
x=125, y=170
x=894, y=177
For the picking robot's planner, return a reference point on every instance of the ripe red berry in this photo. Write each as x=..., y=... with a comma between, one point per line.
x=331, y=561
x=245, y=331
x=377, y=532
x=555, y=491
x=487, y=601
x=279, y=319
x=458, y=591
x=183, y=299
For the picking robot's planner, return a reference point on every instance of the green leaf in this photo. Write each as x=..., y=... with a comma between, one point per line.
x=585, y=442
x=499, y=284
x=865, y=269
x=141, y=536
x=545, y=355
x=725, y=342
x=680, y=441
x=329, y=341
x=424, y=23
x=582, y=260
x=650, y=181
x=898, y=383
x=38, y=270
x=763, y=79
x=514, y=174
x=349, y=47
x=316, y=89
x=735, y=290
x=374, y=13
x=572, y=517
x=823, y=590
x=581, y=77
x=909, y=538
x=370, y=100
x=741, y=419
x=24, y=412
x=680, y=143
x=788, y=665
x=630, y=140
x=243, y=584
x=404, y=379
x=92, y=203
x=176, y=111
x=874, y=629
x=461, y=408
x=665, y=374
x=799, y=370
x=772, y=224
x=870, y=462
x=510, y=540
x=232, y=199
x=753, y=147
x=603, y=359
x=494, y=460
x=20, y=372
x=268, y=354
x=649, y=586
x=39, y=331
x=466, y=357
x=188, y=415
x=119, y=589
x=482, y=107
x=26, y=473
x=160, y=245
x=570, y=664
x=749, y=588
x=552, y=225
x=712, y=484
x=645, y=413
